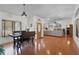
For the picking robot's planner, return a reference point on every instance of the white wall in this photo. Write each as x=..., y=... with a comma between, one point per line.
x=74, y=33
x=76, y=39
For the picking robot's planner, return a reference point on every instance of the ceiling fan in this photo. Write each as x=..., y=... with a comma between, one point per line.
x=23, y=14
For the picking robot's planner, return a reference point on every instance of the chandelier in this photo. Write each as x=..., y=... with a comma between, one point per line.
x=23, y=14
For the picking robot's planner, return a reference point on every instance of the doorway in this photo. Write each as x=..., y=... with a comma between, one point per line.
x=39, y=30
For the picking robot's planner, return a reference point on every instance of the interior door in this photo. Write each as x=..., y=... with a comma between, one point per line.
x=39, y=30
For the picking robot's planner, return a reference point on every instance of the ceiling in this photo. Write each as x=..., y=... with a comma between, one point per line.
x=42, y=10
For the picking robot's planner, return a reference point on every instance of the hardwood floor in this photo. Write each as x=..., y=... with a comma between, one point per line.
x=56, y=45
x=49, y=45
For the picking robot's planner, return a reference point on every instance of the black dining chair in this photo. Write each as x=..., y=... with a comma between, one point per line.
x=16, y=40
x=19, y=37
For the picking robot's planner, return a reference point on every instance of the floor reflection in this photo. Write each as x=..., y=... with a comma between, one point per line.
x=48, y=52
x=60, y=53
x=48, y=45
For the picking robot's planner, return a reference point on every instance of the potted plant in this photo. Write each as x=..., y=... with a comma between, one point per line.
x=1, y=50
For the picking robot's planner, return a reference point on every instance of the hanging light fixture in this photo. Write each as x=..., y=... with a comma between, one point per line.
x=23, y=14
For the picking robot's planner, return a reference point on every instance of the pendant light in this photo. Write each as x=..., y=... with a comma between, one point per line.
x=23, y=14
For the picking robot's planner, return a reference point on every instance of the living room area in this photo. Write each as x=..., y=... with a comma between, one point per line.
x=39, y=29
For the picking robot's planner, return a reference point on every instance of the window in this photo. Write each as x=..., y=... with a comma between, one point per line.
x=9, y=26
